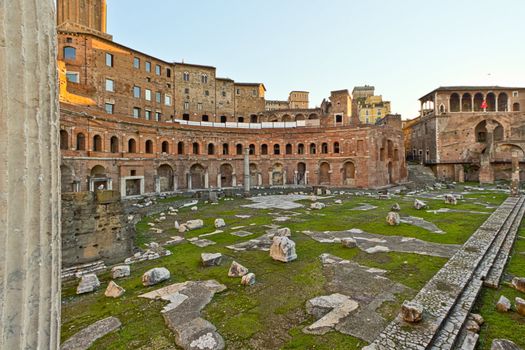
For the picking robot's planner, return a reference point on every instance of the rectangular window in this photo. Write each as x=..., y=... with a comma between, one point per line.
x=199, y=106
x=136, y=112
x=158, y=97
x=238, y=91
x=254, y=92
x=136, y=91
x=158, y=116
x=72, y=77
x=167, y=100
x=147, y=114
x=109, y=60
x=224, y=94
x=186, y=91
x=206, y=93
x=109, y=108
x=148, y=66
x=136, y=63
x=515, y=93
x=157, y=69
x=186, y=76
x=186, y=105
x=147, y=94
x=110, y=85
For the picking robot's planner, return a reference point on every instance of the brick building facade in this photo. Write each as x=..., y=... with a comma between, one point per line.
x=138, y=124
x=468, y=132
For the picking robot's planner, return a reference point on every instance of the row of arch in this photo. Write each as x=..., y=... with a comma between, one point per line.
x=212, y=149
x=474, y=103
x=195, y=178
x=254, y=118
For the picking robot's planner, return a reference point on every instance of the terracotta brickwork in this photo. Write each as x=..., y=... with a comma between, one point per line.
x=468, y=132
x=137, y=124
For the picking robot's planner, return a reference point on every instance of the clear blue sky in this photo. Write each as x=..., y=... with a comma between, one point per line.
x=405, y=48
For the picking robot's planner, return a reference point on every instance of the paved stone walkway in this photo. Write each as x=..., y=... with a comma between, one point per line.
x=283, y=202
x=365, y=241
x=182, y=314
x=451, y=292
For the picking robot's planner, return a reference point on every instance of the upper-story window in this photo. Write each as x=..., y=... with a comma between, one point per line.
x=204, y=78
x=515, y=93
x=238, y=91
x=110, y=107
x=158, y=97
x=147, y=114
x=158, y=69
x=186, y=76
x=186, y=91
x=109, y=60
x=148, y=66
x=73, y=77
x=224, y=94
x=69, y=40
x=186, y=105
x=136, y=91
x=167, y=100
x=136, y=63
x=254, y=92
x=136, y=112
x=147, y=94
x=207, y=93
x=199, y=106
x=158, y=116
x=168, y=72
x=70, y=53
x=110, y=85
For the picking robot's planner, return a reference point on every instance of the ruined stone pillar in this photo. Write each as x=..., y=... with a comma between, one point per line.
x=515, y=176
x=29, y=177
x=219, y=181
x=246, y=170
x=206, y=179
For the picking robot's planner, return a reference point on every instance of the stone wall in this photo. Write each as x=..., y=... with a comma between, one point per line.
x=94, y=227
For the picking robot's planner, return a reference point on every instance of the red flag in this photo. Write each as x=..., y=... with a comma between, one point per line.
x=484, y=104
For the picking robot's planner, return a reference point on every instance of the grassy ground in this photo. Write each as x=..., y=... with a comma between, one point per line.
x=508, y=325
x=269, y=315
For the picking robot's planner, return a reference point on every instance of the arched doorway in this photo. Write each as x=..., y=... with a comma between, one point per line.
x=454, y=102
x=491, y=102
x=226, y=175
x=197, y=176
x=254, y=181
x=99, y=179
x=301, y=173
x=165, y=174
x=277, y=174
x=466, y=102
x=324, y=173
x=348, y=173
x=66, y=178
x=503, y=102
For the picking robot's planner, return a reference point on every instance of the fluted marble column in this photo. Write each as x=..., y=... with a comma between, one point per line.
x=29, y=177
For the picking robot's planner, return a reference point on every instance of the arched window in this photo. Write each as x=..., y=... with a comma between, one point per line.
x=81, y=142
x=503, y=102
x=185, y=116
x=312, y=148
x=211, y=149
x=253, y=118
x=205, y=118
x=336, y=147
x=196, y=148
x=516, y=107
x=454, y=102
x=481, y=132
x=132, y=146
x=491, y=102
x=165, y=147
x=149, y=146
x=300, y=148
x=97, y=143
x=276, y=149
x=223, y=119
x=252, y=149
x=114, y=144
x=324, y=148
x=466, y=102
x=478, y=101
x=264, y=149
x=64, y=142
x=225, y=149
x=238, y=149
x=180, y=147
x=288, y=148
x=70, y=53
x=240, y=120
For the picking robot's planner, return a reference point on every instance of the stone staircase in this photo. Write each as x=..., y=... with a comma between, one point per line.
x=421, y=175
x=449, y=296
